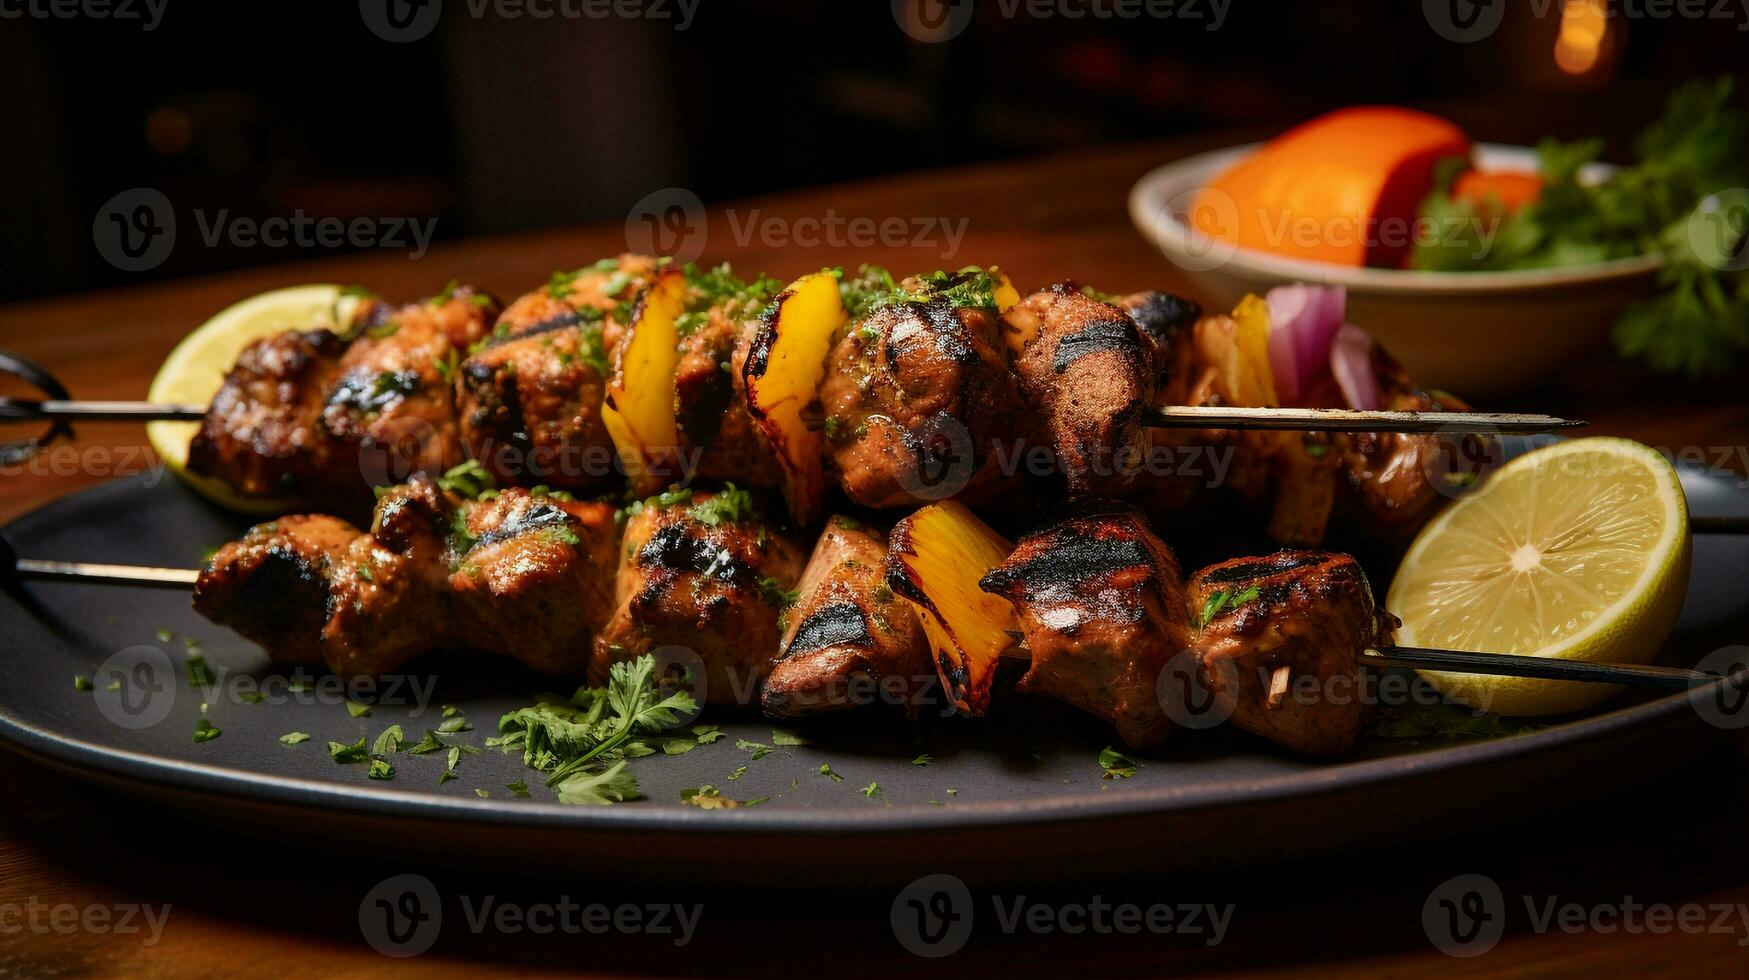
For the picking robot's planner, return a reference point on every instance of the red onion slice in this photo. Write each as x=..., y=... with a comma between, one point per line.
x=1351, y=363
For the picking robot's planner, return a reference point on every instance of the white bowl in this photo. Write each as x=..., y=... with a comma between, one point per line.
x=1469, y=332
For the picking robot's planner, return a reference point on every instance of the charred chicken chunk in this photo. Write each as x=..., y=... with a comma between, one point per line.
x=263, y=431
x=1280, y=640
x=318, y=417
x=710, y=391
x=848, y=639
x=391, y=407
x=1102, y=608
x=702, y=573
x=1163, y=318
x=1396, y=479
x=1087, y=377
x=272, y=585
x=918, y=400
x=529, y=396
x=314, y=589
x=533, y=576
x=389, y=595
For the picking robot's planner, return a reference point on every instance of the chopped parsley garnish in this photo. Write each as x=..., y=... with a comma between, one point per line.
x=773, y=592
x=759, y=749
x=923, y=760
x=783, y=736
x=199, y=674
x=871, y=789
x=82, y=683
x=389, y=742
x=294, y=738
x=204, y=731
x=559, y=285
x=381, y=769
x=731, y=505
x=826, y=770
x=1223, y=600
x=874, y=289
x=346, y=754
x=707, y=734
x=737, y=773
x=445, y=294
x=469, y=479
x=356, y=709
x=1115, y=763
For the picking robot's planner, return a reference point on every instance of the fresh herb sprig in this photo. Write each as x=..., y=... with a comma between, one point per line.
x=584, y=743
x=1668, y=203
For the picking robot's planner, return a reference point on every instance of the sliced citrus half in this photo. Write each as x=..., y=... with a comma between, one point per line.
x=1576, y=551
x=193, y=372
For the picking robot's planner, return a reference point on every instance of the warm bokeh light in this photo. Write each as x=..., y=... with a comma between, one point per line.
x=1584, y=25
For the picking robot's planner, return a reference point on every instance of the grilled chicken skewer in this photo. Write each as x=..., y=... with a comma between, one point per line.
x=923, y=372
x=702, y=583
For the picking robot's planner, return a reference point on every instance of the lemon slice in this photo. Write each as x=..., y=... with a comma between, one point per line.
x=193, y=372
x=1577, y=551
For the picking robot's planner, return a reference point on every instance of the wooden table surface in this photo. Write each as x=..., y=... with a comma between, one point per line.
x=239, y=909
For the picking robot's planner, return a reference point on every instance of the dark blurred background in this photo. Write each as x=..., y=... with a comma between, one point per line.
x=496, y=123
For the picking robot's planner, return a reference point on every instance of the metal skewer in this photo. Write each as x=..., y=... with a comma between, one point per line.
x=15, y=409
x=1516, y=665
x=1510, y=665
x=1170, y=417
x=37, y=570
x=1351, y=420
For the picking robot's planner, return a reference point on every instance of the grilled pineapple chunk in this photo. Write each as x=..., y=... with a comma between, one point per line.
x=934, y=560
x=785, y=366
x=638, y=408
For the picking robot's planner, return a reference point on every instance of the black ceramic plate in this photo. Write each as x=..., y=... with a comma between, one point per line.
x=1018, y=795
